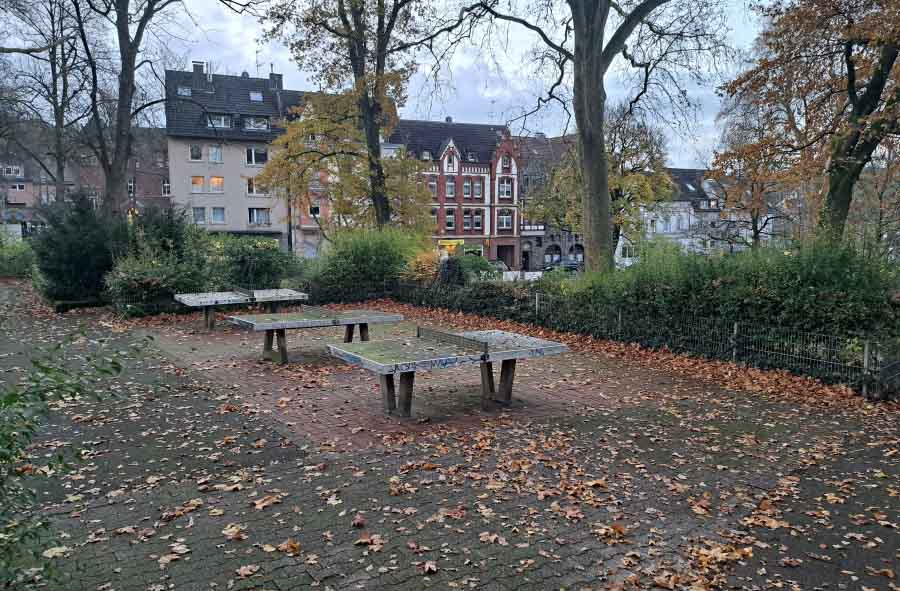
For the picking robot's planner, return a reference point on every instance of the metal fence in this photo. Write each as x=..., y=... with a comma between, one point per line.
x=855, y=360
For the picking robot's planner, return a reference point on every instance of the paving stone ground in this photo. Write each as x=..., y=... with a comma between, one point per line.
x=212, y=470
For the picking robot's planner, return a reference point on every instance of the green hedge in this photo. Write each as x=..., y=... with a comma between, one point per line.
x=16, y=259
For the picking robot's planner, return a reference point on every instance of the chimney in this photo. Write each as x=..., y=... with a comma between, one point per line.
x=275, y=81
x=199, y=67
x=448, y=119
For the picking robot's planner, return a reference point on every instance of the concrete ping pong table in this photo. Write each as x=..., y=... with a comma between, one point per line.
x=210, y=300
x=435, y=349
x=275, y=325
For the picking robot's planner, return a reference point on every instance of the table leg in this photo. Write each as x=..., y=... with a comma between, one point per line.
x=282, y=345
x=507, y=374
x=273, y=307
x=209, y=317
x=406, y=390
x=388, y=395
x=487, y=384
x=267, y=344
x=348, y=333
x=364, y=331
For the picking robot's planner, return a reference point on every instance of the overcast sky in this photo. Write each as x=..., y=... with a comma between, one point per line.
x=477, y=90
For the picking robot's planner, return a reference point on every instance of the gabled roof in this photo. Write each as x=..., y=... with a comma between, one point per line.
x=433, y=136
x=688, y=182
x=226, y=95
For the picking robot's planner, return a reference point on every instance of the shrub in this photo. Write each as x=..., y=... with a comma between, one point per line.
x=254, y=263
x=76, y=249
x=359, y=264
x=162, y=229
x=422, y=268
x=16, y=259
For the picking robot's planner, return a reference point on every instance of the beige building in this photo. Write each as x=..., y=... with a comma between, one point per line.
x=219, y=129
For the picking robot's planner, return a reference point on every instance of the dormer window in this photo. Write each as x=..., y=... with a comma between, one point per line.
x=219, y=121
x=451, y=163
x=506, y=163
x=426, y=155
x=256, y=123
x=184, y=91
x=470, y=156
x=255, y=96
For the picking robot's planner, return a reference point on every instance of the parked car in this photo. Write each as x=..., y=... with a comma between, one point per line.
x=566, y=266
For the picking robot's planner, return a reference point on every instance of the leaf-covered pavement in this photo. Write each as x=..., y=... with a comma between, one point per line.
x=197, y=477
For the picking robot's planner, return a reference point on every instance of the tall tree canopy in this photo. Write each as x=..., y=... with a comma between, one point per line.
x=321, y=161
x=656, y=45
x=826, y=73
x=367, y=50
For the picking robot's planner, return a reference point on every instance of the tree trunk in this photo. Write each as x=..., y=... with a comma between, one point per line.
x=371, y=114
x=590, y=110
x=842, y=176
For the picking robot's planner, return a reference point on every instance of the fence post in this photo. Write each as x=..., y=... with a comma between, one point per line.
x=537, y=303
x=865, y=388
x=618, y=322
x=734, y=343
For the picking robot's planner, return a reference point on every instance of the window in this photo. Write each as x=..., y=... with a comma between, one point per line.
x=17, y=187
x=434, y=212
x=553, y=254
x=713, y=204
x=184, y=91
x=218, y=215
x=467, y=188
x=467, y=219
x=215, y=153
x=506, y=163
x=256, y=123
x=259, y=216
x=426, y=155
x=504, y=219
x=196, y=152
x=432, y=185
x=199, y=215
x=576, y=253
x=216, y=184
x=680, y=222
x=451, y=188
x=471, y=157
x=667, y=225
x=477, y=188
x=505, y=188
x=12, y=171
x=478, y=219
x=628, y=251
x=314, y=210
x=255, y=96
x=219, y=121
x=451, y=163
x=252, y=189
x=652, y=226
x=160, y=159
x=166, y=187
x=131, y=186
x=197, y=183
x=257, y=156
x=450, y=219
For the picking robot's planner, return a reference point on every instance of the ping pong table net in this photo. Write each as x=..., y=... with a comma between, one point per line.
x=320, y=311
x=451, y=338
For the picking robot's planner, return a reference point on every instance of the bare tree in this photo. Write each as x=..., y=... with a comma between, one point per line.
x=661, y=44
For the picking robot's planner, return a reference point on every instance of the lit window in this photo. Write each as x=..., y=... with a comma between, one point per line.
x=219, y=121
x=218, y=215
x=215, y=153
x=216, y=184
x=197, y=183
x=451, y=188
x=257, y=156
x=196, y=152
x=131, y=186
x=259, y=216
x=199, y=215
x=506, y=190
x=252, y=189
x=477, y=221
x=504, y=219
x=184, y=91
x=450, y=219
x=432, y=185
x=256, y=123
x=166, y=187
x=467, y=188
x=467, y=219
x=477, y=187
x=256, y=96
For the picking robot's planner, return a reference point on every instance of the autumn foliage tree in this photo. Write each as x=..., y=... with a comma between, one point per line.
x=636, y=157
x=827, y=72
x=322, y=161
